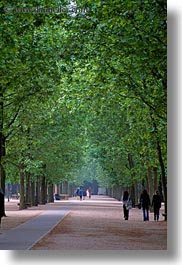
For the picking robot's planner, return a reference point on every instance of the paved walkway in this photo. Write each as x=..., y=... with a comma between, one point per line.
x=27, y=234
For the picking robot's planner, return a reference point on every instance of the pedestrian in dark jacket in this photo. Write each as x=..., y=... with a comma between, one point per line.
x=126, y=202
x=156, y=203
x=145, y=204
x=80, y=193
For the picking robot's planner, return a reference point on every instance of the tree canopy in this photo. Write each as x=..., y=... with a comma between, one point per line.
x=83, y=90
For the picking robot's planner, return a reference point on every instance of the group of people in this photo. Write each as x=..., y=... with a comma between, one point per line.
x=83, y=192
x=144, y=204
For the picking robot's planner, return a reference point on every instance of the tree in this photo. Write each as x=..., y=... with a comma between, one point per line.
x=105, y=71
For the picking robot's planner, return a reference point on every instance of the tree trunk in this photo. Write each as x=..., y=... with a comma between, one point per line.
x=117, y=192
x=163, y=177
x=65, y=187
x=135, y=197
x=71, y=189
x=161, y=163
x=33, y=201
x=37, y=191
x=27, y=193
x=2, y=143
x=43, y=192
x=149, y=176
x=22, y=188
x=155, y=178
x=133, y=194
x=57, y=189
x=2, y=154
x=2, y=150
x=50, y=192
x=3, y=177
x=2, y=206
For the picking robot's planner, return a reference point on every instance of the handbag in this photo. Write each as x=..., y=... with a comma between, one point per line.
x=128, y=204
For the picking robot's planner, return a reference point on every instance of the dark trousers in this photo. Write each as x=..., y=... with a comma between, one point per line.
x=145, y=214
x=126, y=212
x=156, y=213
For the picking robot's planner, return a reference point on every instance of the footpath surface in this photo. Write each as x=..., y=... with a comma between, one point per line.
x=27, y=234
x=91, y=224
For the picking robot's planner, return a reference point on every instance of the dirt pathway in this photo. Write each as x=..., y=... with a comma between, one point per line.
x=98, y=224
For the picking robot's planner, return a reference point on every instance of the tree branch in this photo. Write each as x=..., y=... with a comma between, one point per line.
x=14, y=118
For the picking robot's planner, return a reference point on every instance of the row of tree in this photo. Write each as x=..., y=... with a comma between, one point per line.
x=83, y=95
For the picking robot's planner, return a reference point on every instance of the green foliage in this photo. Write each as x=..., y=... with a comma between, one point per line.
x=80, y=92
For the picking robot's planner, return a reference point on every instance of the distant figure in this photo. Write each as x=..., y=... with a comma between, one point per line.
x=156, y=203
x=2, y=212
x=145, y=204
x=90, y=192
x=84, y=193
x=126, y=204
x=80, y=193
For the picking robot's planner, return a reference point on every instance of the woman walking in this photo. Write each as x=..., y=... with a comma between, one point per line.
x=126, y=204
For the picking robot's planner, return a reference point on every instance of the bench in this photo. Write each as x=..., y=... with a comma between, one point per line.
x=64, y=196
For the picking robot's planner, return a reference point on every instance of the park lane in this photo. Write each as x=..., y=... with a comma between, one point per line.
x=26, y=235
x=99, y=224
x=91, y=224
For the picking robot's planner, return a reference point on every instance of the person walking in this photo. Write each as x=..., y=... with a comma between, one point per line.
x=126, y=204
x=80, y=193
x=90, y=192
x=156, y=203
x=84, y=193
x=145, y=204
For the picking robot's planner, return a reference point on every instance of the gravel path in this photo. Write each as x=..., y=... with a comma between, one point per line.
x=98, y=224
